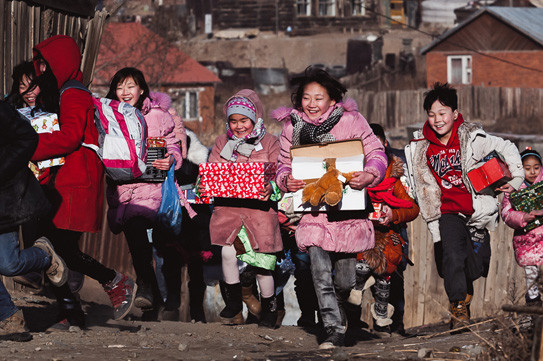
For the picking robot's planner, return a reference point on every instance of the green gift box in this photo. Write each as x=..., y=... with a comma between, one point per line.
x=527, y=200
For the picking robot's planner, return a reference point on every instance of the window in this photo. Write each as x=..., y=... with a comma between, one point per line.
x=459, y=69
x=186, y=101
x=327, y=7
x=303, y=7
x=358, y=7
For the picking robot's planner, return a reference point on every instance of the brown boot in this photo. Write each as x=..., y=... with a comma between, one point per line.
x=14, y=328
x=459, y=315
x=280, y=317
x=253, y=305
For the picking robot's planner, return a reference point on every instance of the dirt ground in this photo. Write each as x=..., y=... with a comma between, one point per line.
x=132, y=339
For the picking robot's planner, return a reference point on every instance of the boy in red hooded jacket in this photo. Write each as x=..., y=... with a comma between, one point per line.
x=458, y=218
x=77, y=186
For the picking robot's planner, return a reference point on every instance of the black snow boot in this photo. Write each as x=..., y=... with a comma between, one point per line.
x=268, y=317
x=231, y=313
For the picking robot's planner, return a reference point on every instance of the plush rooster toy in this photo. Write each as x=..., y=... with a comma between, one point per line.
x=328, y=188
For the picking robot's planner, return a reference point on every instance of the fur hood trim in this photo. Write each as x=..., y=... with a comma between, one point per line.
x=395, y=167
x=157, y=100
x=282, y=114
x=197, y=152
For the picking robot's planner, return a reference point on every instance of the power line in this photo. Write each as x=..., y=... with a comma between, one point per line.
x=454, y=43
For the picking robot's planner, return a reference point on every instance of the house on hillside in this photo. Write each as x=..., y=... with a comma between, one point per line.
x=496, y=46
x=166, y=69
x=302, y=16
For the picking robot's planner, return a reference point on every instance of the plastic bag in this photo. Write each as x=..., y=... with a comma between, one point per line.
x=169, y=214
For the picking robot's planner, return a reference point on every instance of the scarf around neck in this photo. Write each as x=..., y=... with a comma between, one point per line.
x=245, y=145
x=306, y=133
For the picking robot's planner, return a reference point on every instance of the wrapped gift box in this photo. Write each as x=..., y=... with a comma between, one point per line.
x=377, y=213
x=192, y=198
x=236, y=180
x=489, y=176
x=43, y=122
x=527, y=200
x=309, y=164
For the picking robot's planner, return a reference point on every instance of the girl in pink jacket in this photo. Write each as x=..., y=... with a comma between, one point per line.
x=133, y=206
x=528, y=245
x=246, y=140
x=332, y=239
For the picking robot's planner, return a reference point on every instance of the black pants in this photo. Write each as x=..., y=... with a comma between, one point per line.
x=141, y=250
x=454, y=256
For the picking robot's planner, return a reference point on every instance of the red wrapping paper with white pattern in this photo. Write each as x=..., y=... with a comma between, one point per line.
x=235, y=180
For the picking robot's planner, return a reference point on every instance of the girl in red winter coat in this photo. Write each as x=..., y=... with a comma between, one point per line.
x=75, y=188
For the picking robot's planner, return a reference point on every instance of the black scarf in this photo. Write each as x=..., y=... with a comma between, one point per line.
x=305, y=133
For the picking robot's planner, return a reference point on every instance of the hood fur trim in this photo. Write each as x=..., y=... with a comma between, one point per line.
x=395, y=167
x=157, y=100
x=197, y=152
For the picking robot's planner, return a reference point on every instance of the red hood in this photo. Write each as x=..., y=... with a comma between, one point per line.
x=431, y=136
x=63, y=56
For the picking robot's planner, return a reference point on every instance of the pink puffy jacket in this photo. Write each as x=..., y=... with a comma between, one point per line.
x=143, y=199
x=315, y=229
x=528, y=246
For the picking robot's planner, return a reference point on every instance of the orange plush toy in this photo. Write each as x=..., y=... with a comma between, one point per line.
x=328, y=188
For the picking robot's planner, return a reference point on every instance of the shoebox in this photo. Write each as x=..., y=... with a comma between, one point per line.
x=43, y=122
x=309, y=164
x=527, y=200
x=489, y=174
x=235, y=180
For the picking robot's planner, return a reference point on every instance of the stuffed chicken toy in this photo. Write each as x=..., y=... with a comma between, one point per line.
x=327, y=189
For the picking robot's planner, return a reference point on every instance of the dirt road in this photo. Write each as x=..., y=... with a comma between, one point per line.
x=132, y=339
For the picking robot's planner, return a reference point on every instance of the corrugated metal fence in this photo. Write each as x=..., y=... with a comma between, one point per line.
x=23, y=25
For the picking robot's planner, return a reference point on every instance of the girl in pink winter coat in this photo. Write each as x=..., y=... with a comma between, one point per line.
x=133, y=206
x=246, y=140
x=332, y=239
x=528, y=245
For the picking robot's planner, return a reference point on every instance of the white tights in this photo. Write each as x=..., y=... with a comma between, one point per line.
x=230, y=272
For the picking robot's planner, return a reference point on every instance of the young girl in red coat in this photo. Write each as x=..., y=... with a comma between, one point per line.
x=76, y=188
x=528, y=245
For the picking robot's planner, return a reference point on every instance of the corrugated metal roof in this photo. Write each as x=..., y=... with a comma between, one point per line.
x=528, y=21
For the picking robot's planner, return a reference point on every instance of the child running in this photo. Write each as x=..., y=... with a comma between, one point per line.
x=320, y=115
x=528, y=245
x=438, y=160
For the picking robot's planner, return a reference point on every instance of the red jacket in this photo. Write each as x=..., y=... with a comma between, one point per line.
x=80, y=180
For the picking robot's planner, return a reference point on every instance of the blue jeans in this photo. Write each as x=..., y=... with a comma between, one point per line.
x=13, y=262
x=332, y=292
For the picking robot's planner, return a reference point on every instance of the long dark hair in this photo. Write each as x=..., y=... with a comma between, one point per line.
x=138, y=78
x=26, y=68
x=335, y=89
x=49, y=97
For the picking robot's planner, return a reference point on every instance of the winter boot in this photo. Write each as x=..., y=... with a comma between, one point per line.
x=253, y=305
x=268, y=317
x=57, y=271
x=144, y=296
x=14, y=328
x=232, y=312
x=332, y=339
x=459, y=315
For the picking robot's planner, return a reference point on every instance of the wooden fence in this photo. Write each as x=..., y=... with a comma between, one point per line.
x=24, y=24
x=398, y=108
